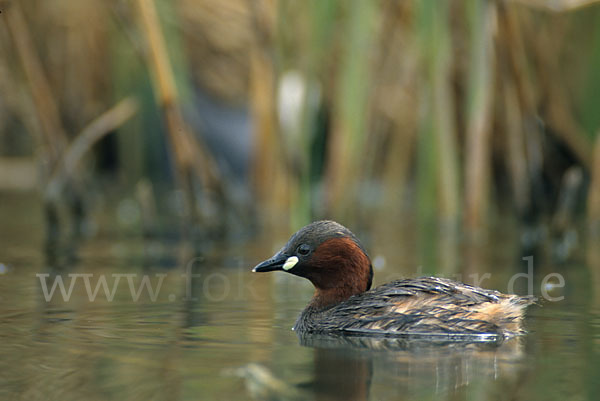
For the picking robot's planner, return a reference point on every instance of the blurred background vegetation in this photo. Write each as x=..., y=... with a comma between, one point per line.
x=221, y=115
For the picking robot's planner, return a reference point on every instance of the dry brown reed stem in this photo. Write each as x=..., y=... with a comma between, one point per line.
x=448, y=180
x=517, y=157
x=517, y=94
x=400, y=151
x=479, y=119
x=54, y=137
x=593, y=202
x=339, y=175
x=515, y=48
x=444, y=125
x=191, y=159
x=393, y=122
x=530, y=147
x=270, y=174
x=558, y=110
x=19, y=101
x=96, y=130
x=271, y=178
x=347, y=144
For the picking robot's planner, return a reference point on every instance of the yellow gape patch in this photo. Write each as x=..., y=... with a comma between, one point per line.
x=290, y=262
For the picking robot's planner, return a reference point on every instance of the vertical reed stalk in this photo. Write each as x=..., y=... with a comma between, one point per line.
x=270, y=171
x=191, y=160
x=559, y=113
x=397, y=166
x=427, y=146
x=527, y=91
x=479, y=113
x=518, y=97
x=443, y=113
x=517, y=157
x=321, y=25
x=394, y=121
x=54, y=137
x=516, y=52
x=273, y=183
x=437, y=154
x=346, y=145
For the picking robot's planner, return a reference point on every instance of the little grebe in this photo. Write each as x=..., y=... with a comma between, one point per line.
x=332, y=258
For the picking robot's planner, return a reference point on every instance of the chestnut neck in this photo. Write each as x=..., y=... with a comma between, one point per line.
x=339, y=269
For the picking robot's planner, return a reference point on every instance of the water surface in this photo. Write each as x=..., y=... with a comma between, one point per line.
x=225, y=333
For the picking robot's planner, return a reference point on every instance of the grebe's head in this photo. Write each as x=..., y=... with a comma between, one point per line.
x=330, y=256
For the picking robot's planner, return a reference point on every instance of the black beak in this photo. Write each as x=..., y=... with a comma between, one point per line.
x=275, y=263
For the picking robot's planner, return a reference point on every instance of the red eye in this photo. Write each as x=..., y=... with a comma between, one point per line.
x=303, y=250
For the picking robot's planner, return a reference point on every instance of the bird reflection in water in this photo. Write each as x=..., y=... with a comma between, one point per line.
x=362, y=368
